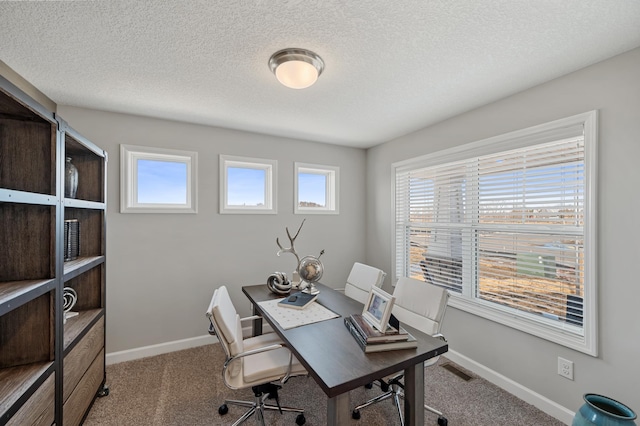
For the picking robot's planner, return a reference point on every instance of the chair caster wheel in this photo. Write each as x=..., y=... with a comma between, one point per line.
x=368, y=385
x=104, y=391
x=442, y=421
x=300, y=420
x=223, y=409
x=384, y=387
x=355, y=415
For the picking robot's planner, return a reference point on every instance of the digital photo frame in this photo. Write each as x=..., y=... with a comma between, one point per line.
x=377, y=310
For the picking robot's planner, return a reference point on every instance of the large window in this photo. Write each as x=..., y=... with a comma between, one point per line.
x=507, y=225
x=157, y=180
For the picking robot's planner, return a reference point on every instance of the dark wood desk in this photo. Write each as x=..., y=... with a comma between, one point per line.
x=336, y=362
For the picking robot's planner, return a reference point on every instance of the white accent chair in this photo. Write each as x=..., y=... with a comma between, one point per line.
x=422, y=306
x=258, y=362
x=360, y=280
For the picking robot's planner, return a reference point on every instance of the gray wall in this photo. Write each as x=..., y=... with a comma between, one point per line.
x=162, y=268
x=612, y=87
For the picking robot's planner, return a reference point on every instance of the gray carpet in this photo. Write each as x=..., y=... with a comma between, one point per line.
x=185, y=388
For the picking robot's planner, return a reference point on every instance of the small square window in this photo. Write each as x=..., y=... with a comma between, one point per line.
x=247, y=185
x=316, y=189
x=157, y=180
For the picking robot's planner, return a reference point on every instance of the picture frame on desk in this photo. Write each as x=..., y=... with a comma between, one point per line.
x=377, y=309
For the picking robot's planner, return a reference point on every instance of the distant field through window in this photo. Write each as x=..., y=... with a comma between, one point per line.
x=316, y=189
x=312, y=190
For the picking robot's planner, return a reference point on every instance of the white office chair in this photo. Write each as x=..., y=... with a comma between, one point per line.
x=360, y=280
x=422, y=306
x=255, y=362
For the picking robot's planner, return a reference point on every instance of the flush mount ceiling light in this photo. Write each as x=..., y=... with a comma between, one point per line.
x=296, y=68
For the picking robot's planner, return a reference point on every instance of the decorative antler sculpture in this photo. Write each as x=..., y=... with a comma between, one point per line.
x=309, y=268
x=290, y=249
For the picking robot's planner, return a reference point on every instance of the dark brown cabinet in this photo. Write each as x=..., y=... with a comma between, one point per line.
x=51, y=369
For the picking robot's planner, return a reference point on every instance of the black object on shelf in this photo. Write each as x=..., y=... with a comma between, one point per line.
x=71, y=239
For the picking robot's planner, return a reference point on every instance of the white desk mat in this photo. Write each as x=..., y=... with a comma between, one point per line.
x=291, y=318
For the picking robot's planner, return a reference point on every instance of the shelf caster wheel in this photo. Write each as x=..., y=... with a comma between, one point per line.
x=104, y=391
x=368, y=385
x=223, y=409
x=355, y=415
x=442, y=421
x=300, y=420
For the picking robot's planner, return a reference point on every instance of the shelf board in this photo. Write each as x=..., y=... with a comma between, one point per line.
x=16, y=293
x=13, y=196
x=84, y=204
x=73, y=268
x=15, y=381
x=78, y=325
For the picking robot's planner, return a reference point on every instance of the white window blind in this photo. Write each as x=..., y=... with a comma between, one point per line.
x=505, y=230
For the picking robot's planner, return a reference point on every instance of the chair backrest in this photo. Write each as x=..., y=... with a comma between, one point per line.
x=361, y=279
x=226, y=322
x=420, y=305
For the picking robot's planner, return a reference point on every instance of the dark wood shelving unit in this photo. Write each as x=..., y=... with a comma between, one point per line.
x=83, y=361
x=51, y=368
x=15, y=293
x=76, y=326
x=15, y=382
x=73, y=268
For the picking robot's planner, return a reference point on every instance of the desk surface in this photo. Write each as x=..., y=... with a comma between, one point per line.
x=329, y=352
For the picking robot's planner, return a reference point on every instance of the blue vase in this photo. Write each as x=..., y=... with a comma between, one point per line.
x=599, y=410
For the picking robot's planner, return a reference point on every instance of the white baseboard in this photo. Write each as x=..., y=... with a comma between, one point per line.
x=542, y=403
x=161, y=348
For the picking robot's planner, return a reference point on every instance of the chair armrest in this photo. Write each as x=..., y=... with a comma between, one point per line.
x=251, y=318
x=212, y=330
x=254, y=352
x=440, y=336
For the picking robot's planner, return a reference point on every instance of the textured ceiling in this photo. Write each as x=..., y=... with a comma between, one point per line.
x=390, y=67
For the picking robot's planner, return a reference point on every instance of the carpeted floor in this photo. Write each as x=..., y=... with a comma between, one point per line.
x=185, y=388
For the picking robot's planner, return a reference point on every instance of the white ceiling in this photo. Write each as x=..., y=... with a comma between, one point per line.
x=391, y=67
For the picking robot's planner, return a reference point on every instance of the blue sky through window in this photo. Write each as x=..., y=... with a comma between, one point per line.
x=245, y=186
x=312, y=189
x=162, y=182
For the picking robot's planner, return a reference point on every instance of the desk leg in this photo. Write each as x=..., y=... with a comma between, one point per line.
x=414, y=395
x=257, y=323
x=338, y=410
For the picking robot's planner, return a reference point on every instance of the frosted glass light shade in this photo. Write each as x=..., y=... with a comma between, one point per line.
x=296, y=68
x=296, y=74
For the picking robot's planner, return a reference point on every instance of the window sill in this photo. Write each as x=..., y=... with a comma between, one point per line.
x=564, y=334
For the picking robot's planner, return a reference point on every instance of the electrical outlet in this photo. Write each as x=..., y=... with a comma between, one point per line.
x=565, y=368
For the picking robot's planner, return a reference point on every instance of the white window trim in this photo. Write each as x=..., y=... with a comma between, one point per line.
x=537, y=326
x=129, y=156
x=271, y=184
x=332, y=189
